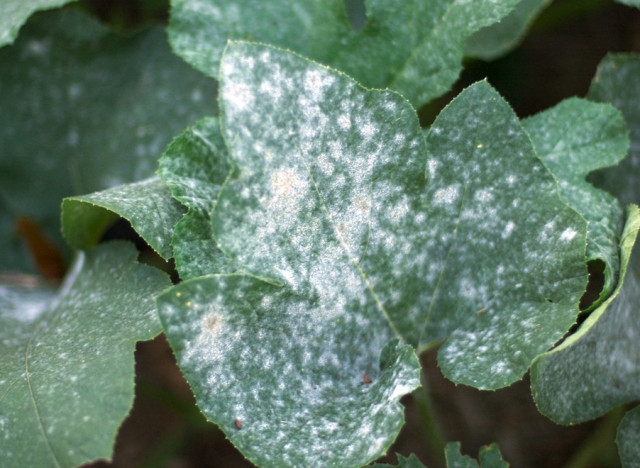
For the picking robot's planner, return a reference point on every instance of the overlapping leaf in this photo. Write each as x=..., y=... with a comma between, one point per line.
x=498, y=39
x=66, y=372
x=573, y=139
x=84, y=109
x=16, y=12
x=147, y=205
x=194, y=167
x=596, y=368
x=414, y=47
x=617, y=82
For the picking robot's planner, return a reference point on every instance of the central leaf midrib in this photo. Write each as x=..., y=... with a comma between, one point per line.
x=344, y=245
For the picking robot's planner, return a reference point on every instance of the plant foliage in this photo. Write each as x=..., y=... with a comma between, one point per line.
x=322, y=239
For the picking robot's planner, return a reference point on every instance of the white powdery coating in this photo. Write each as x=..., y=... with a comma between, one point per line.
x=446, y=196
x=568, y=234
x=508, y=229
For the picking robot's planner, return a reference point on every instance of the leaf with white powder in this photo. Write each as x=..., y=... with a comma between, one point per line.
x=66, y=378
x=573, y=139
x=344, y=246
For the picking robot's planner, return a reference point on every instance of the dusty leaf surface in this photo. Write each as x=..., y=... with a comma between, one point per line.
x=573, y=139
x=66, y=379
x=194, y=167
x=147, y=205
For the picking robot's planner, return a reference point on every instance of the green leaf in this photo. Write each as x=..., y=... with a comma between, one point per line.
x=414, y=47
x=16, y=12
x=286, y=382
x=617, y=81
x=595, y=369
x=194, y=167
x=489, y=457
x=628, y=436
x=573, y=139
x=147, y=205
x=320, y=199
x=84, y=109
x=498, y=39
x=66, y=379
x=409, y=462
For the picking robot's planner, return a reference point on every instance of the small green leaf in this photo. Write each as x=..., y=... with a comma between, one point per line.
x=409, y=462
x=489, y=457
x=414, y=47
x=194, y=167
x=595, y=369
x=66, y=378
x=16, y=12
x=628, y=437
x=573, y=139
x=498, y=39
x=84, y=109
x=147, y=205
x=617, y=82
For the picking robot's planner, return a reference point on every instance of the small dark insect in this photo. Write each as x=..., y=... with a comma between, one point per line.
x=366, y=379
x=238, y=423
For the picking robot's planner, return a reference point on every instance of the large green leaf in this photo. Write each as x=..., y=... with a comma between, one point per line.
x=194, y=167
x=596, y=368
x=617, y=81
x=84, y=109
x=489, y=457
x=414, y=47
x=66, y=372
x=15, y=13
x=147, y=205
x=628, y=437
x=498, y=39
x=573, y=139
x=347, y=246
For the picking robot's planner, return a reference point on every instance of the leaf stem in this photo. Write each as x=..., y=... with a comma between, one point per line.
x=599, y=446
x=430, y=425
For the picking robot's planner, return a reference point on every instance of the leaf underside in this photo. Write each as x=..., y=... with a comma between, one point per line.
x=147, y=205
x=414, y=47
x=66, y=380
